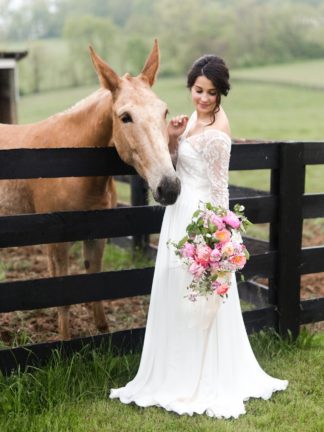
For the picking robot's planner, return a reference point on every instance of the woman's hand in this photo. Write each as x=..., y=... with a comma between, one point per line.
x=177, y=126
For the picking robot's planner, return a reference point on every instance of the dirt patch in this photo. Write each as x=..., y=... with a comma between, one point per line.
x=41, y=325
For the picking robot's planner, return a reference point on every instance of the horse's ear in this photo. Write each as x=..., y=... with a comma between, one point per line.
x=152, y=64
x=107, y=76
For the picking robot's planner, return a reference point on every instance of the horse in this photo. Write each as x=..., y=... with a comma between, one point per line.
x=123, y=113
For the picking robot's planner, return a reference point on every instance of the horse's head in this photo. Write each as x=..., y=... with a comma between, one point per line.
x=139, y=125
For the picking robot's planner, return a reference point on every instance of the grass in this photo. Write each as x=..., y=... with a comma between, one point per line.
x=303, y=73
x=71, y=394
x=261, y=111
x=115, y=257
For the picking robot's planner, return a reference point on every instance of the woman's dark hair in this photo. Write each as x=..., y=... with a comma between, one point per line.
x=214, y=69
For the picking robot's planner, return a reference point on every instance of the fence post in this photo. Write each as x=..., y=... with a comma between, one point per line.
x=273, y=239
x=139, y=197
x=290, y=227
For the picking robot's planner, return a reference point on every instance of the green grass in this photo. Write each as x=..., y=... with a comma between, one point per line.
x=33, y=108
x=303, y=73
x=259, y=111
x=115, y=257
x=71, y=395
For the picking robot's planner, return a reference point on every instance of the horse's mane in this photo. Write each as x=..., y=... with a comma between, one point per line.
x=85, y=102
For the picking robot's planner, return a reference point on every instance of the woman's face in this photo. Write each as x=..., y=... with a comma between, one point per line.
x=204, y=95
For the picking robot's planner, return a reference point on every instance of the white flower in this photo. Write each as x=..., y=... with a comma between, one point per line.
x=199, y=239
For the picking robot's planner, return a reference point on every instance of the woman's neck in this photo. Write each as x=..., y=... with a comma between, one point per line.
x=204, y=119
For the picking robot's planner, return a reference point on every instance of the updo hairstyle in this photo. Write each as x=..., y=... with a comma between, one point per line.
x=214, y=69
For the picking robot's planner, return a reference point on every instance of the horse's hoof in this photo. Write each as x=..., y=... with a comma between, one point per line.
x=103, y=327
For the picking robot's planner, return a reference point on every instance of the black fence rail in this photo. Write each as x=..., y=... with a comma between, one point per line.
x=282, y=260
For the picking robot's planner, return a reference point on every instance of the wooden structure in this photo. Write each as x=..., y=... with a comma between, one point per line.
x=282, y=260
x=9, y=85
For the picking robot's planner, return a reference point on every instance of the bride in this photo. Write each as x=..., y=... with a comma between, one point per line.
x=196, y=356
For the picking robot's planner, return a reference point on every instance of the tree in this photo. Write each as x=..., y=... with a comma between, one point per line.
x=82, y=31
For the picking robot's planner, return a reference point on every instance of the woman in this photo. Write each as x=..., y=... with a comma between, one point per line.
x=196, y=356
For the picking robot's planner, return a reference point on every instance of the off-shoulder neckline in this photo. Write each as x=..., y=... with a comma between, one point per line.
x=209, y=130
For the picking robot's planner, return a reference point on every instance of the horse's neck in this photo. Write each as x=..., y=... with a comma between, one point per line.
x=86, y=124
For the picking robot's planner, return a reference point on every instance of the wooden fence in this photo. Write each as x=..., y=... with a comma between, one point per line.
x=282, y=260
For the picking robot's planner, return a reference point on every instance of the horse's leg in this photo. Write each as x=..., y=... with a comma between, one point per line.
x=58, y=266
x=93, y=252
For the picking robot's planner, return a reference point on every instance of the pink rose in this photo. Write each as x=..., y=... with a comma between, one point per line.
x=203, y=254
x=222, y=289
x=196, y=269
x=222, y=235
x=188, y=250
x=232, y=220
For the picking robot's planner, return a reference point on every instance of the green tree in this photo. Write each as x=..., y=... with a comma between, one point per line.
x=81, y=32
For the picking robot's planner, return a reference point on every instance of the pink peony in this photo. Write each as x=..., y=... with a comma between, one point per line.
x=232, y=220
x=196, y=269
x=188, y=250
x=215, y=255
x=203, y=254
x=218, y=221
x=222, y=235
x=215, y=266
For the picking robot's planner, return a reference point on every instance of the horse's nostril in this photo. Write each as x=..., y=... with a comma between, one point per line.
x=168, y=190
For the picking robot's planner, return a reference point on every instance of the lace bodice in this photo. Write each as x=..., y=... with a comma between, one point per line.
x=203, y=163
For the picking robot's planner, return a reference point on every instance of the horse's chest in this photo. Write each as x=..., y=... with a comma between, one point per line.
x=15, y=197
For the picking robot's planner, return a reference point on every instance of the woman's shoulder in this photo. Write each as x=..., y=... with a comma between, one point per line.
x=221, y=124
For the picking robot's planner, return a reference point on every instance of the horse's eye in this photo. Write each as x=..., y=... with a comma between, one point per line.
x=166, y=113
x=126, y=118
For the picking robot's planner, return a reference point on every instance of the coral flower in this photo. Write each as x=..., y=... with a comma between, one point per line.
x=228, y=249
x=238, y=260
x=223, y=235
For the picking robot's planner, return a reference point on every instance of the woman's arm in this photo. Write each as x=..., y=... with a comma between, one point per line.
x=176, y=127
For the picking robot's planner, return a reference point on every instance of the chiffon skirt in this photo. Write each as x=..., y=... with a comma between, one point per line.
x=196, y=356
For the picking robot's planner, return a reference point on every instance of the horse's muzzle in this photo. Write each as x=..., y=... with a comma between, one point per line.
x=168, y=190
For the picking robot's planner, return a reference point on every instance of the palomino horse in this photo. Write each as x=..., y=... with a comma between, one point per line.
x=124, y=113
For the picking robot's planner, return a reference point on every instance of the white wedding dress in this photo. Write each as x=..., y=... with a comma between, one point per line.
x=196, y=356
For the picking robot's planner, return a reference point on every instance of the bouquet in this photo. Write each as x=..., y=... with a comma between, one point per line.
x=212, y=249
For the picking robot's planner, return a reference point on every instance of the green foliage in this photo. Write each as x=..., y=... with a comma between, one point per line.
x=80, y=32
x=244, y=32
x=135, y=53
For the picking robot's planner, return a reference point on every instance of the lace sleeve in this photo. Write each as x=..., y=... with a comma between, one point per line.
x=215, y=150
